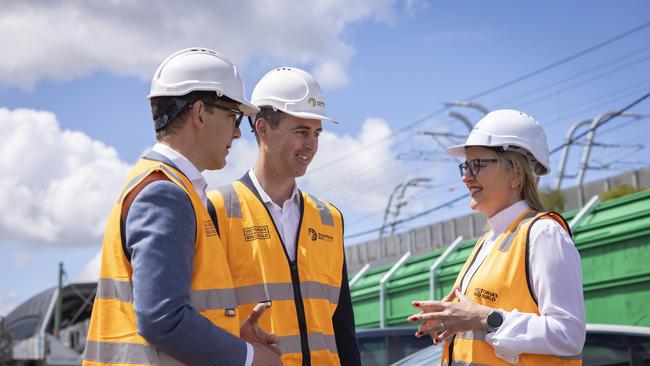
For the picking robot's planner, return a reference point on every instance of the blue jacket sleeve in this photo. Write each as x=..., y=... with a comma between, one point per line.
x=160, y=232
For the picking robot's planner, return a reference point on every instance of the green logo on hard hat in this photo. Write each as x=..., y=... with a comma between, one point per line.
x=312, y=102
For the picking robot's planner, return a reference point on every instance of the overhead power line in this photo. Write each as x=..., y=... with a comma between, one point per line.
x=614, y=115
x=560, y=62
x=558, y=148
x=483, y=93
x=411, y=218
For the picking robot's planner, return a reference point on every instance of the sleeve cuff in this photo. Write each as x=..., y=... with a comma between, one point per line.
x=250, y=353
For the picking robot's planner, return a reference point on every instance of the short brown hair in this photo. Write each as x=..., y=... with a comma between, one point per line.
x=272, y=116
x=161, y=107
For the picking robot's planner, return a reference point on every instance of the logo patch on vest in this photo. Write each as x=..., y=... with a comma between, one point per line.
x=313, y=235
x=486, y=294
x=210, y=230
x=256, y=232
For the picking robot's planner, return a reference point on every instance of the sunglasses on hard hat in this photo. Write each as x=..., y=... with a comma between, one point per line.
x=473, y=166
x=239, y=115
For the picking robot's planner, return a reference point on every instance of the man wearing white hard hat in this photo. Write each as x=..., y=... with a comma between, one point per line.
x=165, y=294
x=285, y=246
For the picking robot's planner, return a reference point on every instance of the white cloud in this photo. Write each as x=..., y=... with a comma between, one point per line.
x=60, y=40
x=240, y=159
x=8, y=302
x=21, y=258
x=57, y=186
x=359, y=181
x=330, y=75
x=90, y=272
x=365, y=171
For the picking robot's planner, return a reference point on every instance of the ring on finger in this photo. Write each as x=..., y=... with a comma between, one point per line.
x=442, y=326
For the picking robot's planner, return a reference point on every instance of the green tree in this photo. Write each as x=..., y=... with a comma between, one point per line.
x=620, y=191
x=553, y=200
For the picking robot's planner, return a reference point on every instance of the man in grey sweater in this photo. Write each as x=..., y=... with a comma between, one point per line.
x=165, y=293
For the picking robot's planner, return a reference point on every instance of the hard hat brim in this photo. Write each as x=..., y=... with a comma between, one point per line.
x=459, y=150
x=308, y=115
x=247, y=108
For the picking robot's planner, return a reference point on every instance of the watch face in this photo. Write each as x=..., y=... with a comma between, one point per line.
x=495, y=319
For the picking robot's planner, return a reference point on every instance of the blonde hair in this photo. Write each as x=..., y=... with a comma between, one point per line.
x=526, y=181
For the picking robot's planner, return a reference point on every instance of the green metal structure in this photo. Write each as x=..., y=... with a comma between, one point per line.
x=613, y=241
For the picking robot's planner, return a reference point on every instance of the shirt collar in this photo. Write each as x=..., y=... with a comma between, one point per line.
x=263, y=195
x=500, y=222
x=183, y=164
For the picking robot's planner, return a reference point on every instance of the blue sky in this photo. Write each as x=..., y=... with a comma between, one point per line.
x=74, y=76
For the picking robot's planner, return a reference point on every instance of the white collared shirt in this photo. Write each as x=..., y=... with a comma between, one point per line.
x=186, y=167
x=556, y=277
x=198, y=182
x=285, y=217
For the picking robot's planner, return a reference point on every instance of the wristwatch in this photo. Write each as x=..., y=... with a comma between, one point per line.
x=494, y=320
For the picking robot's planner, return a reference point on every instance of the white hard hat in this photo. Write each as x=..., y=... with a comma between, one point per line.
x=293, y=91
x=194, y=69
x=510, y=129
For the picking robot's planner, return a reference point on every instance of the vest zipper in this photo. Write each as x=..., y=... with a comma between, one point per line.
x=293, y=269
x=300, y=310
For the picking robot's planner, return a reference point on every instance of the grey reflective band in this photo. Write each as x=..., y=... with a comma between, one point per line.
x=139, y=177
x=170, y=172
x=259, y=293
x=284, y=291
x=463, y=363
x=213, y=299
x=574, y=357
x=131, y=183
x=324, y=211
x=510, y=237
x=477, y=335
x=131, y=353
x=317, y=290
x=317, y=341
x=231, y=201
x=108, y=288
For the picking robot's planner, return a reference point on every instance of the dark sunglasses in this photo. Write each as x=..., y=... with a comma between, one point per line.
x=239, y=115
x=473, y=166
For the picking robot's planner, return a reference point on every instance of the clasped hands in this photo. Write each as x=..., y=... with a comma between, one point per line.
x=454, y=313
x=265, y=345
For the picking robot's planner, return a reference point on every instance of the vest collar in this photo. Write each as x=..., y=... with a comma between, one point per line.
x=500, y=222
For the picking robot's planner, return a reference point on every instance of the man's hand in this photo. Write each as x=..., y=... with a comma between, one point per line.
x=263, y=356
x=252, y=333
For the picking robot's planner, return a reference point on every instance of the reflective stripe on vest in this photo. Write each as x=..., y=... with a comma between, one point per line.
x=127, y=353
x=317, y=342
x=324, y=211
x=510, y=236
x=200, y=300
x=463, y=363
x=231, y=201
x=472, y=334
x=284, y=291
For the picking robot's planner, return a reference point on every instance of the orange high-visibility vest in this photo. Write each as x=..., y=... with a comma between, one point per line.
x=302, y=295
x=113, y=338
x=502, y=282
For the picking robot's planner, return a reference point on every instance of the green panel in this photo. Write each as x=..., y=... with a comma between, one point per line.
x=613, y=241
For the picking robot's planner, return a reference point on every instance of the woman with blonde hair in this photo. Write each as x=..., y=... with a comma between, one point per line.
x=518, y=298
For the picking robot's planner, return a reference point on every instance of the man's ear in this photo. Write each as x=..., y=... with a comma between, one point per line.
x=262, y=127
x=196, y=113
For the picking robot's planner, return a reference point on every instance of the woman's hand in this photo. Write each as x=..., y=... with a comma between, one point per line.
x=442, y=319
